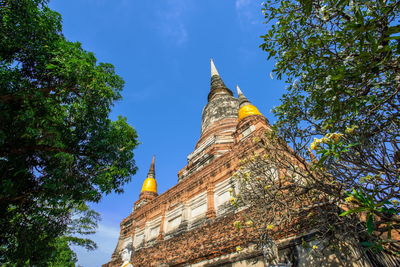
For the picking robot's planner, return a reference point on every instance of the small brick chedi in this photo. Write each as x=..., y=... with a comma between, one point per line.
x=191, y=224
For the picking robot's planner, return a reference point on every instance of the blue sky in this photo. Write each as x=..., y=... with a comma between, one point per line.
x=162, y=49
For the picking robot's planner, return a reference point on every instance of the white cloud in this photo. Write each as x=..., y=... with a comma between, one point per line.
x=171, y=21
x=242, y=3
x=108, y=231
x=248, y=11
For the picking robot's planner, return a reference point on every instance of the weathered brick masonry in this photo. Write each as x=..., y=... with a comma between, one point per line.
x=213, y=238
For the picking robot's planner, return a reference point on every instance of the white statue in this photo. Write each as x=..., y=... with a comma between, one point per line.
x=126, y=257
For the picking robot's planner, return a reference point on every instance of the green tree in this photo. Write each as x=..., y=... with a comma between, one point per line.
x=62, y=255
x=340, y=113
x=58, y=148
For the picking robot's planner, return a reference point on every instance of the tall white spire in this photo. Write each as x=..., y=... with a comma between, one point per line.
x=239, y=92
x=213, y=68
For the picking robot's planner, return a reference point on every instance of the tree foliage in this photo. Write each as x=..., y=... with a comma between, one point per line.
x=58, y=148
x=62, y=255
x=340, y=113
x=289, y=197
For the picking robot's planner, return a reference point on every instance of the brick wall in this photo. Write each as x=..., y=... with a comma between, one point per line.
x=211, y=239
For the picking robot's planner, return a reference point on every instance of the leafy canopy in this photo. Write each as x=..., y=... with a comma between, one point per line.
x=58, y=148
x=340, y=59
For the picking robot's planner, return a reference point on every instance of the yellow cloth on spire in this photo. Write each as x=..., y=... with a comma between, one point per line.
x=248, y=110
x=149, y=185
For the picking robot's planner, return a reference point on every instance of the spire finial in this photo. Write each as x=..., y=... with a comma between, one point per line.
x=217, y=84
x=242, y=99
x=239, y=92
x=214, y=70
x=151, y=172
